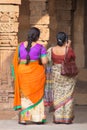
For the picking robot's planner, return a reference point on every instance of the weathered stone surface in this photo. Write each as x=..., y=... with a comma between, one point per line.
x=79, y=54
x=39, y=19
x=9, y=16
x=5, y=63
x=9, y=27
x=78, y=36
x=10, y=2
x=6, y=80
x=38, y=10
x=66, y=27
x=38, y=0
x=8, y=39
x=9, y=8
x=63, y=15
x=64, y=4
x=44, y=32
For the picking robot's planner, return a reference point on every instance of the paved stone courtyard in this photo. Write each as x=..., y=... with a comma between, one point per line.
x=9, y=121
x=80, y=114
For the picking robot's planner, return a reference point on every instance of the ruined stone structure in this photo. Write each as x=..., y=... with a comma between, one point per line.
x=51, y=16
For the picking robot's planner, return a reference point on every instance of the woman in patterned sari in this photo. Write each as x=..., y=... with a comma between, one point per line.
x=63, y=86
x=30, y=79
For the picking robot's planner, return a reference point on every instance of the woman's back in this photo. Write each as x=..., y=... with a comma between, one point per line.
x=34, y=52
x=58, y=54
x=57, y=50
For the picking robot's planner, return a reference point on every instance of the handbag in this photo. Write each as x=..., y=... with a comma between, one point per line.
x=68, y=66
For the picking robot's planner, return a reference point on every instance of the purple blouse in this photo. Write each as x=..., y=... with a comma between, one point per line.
x=35, y=53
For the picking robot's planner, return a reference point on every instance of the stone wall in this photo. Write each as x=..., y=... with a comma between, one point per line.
x=9, y=13
x=39, y=17
x=24, y=20
x=80, y=51
x=60, y=18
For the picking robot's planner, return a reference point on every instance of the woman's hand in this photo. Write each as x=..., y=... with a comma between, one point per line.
x=69, y=43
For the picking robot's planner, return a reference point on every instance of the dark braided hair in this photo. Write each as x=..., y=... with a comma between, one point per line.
x=61, y=38
x=33, y=36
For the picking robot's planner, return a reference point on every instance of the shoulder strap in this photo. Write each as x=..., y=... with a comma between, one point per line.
x=49, y=53
x=66, y=52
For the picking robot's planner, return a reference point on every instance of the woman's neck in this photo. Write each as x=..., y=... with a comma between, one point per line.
x=32, y=44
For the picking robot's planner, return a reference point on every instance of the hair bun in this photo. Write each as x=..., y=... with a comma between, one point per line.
x=59, y=41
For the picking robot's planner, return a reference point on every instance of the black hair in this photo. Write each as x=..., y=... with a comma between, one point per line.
x=33, y=36
x=62, y=37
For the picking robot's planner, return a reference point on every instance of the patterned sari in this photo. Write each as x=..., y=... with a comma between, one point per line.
x=63, y=88
x=63, y=94
x=29, y=86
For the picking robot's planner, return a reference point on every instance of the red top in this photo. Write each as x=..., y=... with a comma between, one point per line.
x=57, y=59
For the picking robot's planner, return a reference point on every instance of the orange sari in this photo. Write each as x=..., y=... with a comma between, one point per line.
x=29, y=81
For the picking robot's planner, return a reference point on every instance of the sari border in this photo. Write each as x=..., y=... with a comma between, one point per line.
x=17, y=107
x=12, y=66
x=63, y=102
x=12, y=71
x=43, y=55
x=30, y=107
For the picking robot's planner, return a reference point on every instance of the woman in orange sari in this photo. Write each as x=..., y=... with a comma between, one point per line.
x=30, y=79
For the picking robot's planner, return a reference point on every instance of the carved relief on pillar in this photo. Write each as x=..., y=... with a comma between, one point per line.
x=0, y=69
x=6, y=81
x=9, y=13
x=9, y=25
x=6, y=55
x=8, y=39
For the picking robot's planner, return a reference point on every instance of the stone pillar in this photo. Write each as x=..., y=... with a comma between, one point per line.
x=78, y=30
x=9, y=13
x=60, y=18
x=63, y=15
x=39, y=17
x=79, y=47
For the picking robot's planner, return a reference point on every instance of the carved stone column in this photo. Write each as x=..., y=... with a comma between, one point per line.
x=39, y=17
x=9, y=13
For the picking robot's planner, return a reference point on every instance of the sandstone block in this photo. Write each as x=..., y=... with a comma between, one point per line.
x=38, y=0
x=9, y=27
x=9, y=8
x=44, y=36
x=10, y=2
x=64, y=4
x=40, y=19
x=37, y=8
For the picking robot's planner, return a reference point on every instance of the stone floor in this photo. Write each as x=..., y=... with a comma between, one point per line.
x=9, y=121
x=80, y=114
